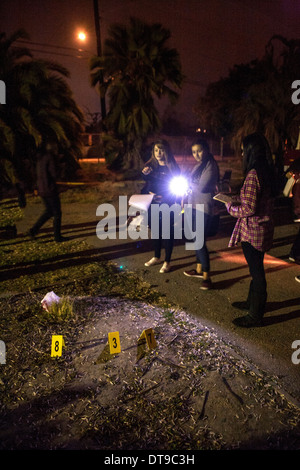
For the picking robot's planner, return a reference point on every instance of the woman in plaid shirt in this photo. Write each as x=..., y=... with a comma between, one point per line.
x=254, y=227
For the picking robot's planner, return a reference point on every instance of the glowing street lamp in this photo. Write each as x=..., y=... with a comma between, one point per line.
x=81, y=36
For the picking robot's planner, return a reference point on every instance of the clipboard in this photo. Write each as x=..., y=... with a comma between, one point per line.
x=223, y=198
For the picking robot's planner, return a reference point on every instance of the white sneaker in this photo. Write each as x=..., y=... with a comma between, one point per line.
x=153, y=261
x=165, y=267
x=297, y=278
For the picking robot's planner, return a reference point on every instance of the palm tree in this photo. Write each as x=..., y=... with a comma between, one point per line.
x=39, y=106
x=137, y=66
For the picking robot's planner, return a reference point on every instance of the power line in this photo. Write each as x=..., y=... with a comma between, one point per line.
x=55, y=46
x=55, y=53
x=49, y=46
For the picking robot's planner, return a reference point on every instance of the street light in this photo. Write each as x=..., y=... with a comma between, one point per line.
x=81, y=36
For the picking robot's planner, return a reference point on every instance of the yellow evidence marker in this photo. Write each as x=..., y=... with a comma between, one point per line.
x=114, y=342
x=57, y=345
x=148, y=335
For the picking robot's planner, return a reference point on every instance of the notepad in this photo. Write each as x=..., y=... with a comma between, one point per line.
x=223, y=198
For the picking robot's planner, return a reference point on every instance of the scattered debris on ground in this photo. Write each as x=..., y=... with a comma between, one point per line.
x=191, y=391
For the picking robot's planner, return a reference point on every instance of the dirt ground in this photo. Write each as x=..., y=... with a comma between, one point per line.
x=191, y=391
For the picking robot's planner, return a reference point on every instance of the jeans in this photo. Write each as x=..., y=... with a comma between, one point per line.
x=295, y=250
x=202, y=254
x=52, y=209
x=160, y=241
x=257, y=295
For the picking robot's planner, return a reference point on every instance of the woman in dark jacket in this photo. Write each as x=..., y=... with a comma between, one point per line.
x=203, y=183
x=157, y=173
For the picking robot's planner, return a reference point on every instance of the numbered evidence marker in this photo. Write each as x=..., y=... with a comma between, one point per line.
x=57, y=345
x=114, y=342
x=148, y=335
x=112, y=347
x=146, y=339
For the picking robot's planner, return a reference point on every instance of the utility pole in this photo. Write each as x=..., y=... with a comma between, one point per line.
x=99, y=53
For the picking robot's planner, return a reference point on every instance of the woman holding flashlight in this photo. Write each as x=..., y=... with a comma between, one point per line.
x=157, y=173
x=203, y=183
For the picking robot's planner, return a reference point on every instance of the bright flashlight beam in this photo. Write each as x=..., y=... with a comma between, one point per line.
x=179, y=185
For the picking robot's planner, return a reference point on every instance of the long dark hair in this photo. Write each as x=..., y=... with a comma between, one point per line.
x=197, y=170
x=170, y=159
x=257, y=155
x=202, y=142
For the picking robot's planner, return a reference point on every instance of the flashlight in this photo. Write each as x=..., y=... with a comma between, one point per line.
x=179, y=186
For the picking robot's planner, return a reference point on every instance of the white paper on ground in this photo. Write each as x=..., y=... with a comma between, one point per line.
x=49, y=298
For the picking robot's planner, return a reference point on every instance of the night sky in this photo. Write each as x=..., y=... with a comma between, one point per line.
x=211, y=36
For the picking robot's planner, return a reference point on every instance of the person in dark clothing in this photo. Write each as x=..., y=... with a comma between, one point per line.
x=294, y=171
x=203, y=182
x=48, y=191
x=157, y=173
x=254, y=227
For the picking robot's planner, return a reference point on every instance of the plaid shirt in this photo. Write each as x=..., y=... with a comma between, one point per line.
x=255, y=221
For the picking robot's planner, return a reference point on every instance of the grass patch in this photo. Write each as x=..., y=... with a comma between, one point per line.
x=61, y=311
x=10, y=212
